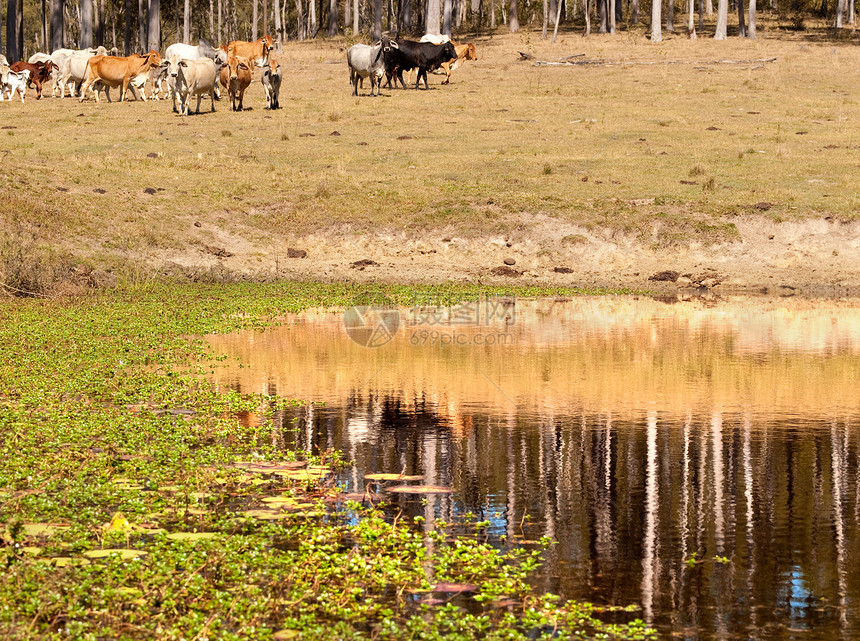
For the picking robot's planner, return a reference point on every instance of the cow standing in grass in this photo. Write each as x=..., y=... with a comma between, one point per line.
x=193, y=78
x=368, y=62
x=423, y=56
x=272, y=82
x=236, y=77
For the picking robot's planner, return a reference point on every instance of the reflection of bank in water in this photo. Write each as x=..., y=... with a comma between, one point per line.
x=622, y=353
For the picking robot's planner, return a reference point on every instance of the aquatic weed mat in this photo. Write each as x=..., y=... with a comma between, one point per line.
x=135, y=502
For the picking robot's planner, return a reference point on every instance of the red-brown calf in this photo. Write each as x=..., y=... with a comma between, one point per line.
x=39, y=72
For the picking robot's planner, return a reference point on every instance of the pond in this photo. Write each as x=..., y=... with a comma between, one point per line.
x=697, y=457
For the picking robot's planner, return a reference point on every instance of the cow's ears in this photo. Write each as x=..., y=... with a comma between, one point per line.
x=394, y=45
x=242, y=65
x=182, y=63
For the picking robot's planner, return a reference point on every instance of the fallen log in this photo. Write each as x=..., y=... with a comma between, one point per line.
x=601, y=62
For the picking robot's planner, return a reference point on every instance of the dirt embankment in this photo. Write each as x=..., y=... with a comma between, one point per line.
x=813, y=256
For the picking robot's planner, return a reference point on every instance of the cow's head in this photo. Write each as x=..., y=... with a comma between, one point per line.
x=234, y=64
x=471, y=54
x=272, y=68
x=153, y=58
x=268, y=43
x=174, y=66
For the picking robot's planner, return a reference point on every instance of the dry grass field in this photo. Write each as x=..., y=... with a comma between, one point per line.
x=661, y=159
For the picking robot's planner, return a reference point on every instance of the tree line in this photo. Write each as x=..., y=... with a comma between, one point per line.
x=141, y=25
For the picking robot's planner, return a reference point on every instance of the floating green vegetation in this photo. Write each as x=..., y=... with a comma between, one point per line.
x=134, y=502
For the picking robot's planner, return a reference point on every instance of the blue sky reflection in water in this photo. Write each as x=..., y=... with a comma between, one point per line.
x=697, y=458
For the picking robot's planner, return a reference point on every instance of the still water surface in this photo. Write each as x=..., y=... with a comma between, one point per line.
x=699, y=459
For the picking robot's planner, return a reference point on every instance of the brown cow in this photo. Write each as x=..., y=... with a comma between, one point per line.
x=39, y=72
x=113, y=71
x=464, y=52
x=255, y=52
x=236, y=77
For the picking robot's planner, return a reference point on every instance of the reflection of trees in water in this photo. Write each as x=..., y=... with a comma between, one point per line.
x=640, y=508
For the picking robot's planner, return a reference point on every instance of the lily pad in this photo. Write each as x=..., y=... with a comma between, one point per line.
x=392, y=477
x=268, y=515
x=123, y=554
x=420, y=489
x=191, y=536
x=31, y=550
x=66, y=561
x=126, y=484
x=318, y=469
x=42, y=529
x=270, y=467
x=284, y=635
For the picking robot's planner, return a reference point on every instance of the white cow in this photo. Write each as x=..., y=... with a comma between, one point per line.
x=435, y=39
x=15, y=81
x=74, y=68
x=193, y=52
x=193, y=78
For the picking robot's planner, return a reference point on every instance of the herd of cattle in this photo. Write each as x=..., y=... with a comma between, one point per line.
x=186, y=71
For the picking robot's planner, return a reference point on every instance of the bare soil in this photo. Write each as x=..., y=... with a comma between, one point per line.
x=817, y=257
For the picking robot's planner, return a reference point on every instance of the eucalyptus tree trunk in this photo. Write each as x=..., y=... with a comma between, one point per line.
x=312, y=5
x=557, y=18
x=691, y=20
x=86, y=40
x=332, y=18
x=722, y=19
x=101, y=19
x=656, y=32
x=20, y=24
x=670, y=16
x=514, y=22
x=129, y=11
x=355, y=17
x=634, y=11
x=742, y=29
x=587, y=14
x=279, y=27
x=13, y=44
x=545, y=19
x=431, y=18
x=43, y=15
x=601, y=16
x=186, y=22
x=141, y=17
x=212, y=37
x=840, y=12
x=347, y=14
x=405, y=15
x=220, y=22
x=300, y=20
x=154, y=27
x=447, y=9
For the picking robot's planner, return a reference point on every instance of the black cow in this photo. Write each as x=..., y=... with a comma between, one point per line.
x=424, y=56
